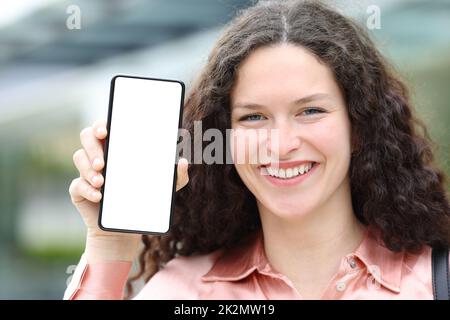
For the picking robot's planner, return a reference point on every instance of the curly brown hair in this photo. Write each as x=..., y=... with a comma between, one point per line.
x=396, y=189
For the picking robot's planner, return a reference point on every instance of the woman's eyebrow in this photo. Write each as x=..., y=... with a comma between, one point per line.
x=303, y=100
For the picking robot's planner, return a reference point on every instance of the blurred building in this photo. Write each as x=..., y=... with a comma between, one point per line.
x=54, y=81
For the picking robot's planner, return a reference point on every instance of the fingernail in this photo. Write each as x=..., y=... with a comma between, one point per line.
x=96, y=194
x=95, y=179
x=97, y=162
x=101, y=130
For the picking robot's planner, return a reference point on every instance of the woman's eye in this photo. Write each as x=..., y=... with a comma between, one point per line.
x=311, y=111
x=252, y=117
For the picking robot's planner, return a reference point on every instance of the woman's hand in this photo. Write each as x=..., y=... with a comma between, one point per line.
x=85, y=194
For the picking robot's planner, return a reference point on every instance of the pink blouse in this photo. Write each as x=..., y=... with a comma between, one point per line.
x=370, y=272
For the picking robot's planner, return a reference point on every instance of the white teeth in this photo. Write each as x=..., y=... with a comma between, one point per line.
x=290, y=172
x=302, y=169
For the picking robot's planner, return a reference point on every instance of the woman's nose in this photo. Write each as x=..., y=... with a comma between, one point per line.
x=285, y=140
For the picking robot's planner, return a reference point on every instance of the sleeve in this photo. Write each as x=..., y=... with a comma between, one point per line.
x=103, y=280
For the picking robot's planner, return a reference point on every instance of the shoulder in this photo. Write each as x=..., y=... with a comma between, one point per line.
x=419, y=266
x=180, y=278
x=419, y=263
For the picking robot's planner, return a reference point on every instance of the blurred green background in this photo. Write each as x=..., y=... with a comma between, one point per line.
x=54, y=81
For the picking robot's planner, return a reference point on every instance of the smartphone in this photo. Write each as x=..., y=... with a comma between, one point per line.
x=140, y=154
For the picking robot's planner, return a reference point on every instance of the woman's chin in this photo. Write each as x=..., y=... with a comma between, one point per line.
x=288, y=210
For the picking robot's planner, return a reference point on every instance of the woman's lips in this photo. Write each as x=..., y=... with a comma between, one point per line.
x=288, y=181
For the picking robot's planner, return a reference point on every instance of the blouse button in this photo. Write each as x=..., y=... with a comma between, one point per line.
x=340, y=286
x=352, y=263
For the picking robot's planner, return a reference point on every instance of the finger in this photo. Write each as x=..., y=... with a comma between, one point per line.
x=182, y=173
x=81, y=161
x=80, y=190
x=100, y=130
x=93, y=148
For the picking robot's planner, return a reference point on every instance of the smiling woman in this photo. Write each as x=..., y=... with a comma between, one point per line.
x=349, y=206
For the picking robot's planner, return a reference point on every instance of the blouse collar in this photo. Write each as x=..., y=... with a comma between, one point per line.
x=239, y=262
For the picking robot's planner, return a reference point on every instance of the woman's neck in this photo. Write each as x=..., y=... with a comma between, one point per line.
x=309, y=249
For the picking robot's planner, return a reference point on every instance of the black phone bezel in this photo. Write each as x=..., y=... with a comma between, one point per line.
x=105, y=157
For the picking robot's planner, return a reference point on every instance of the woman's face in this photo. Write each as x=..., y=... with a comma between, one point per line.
x=286, y=88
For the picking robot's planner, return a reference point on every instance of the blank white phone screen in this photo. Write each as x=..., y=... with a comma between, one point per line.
x=141, y=153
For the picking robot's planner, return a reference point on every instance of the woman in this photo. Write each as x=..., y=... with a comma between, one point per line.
x=350, y=210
